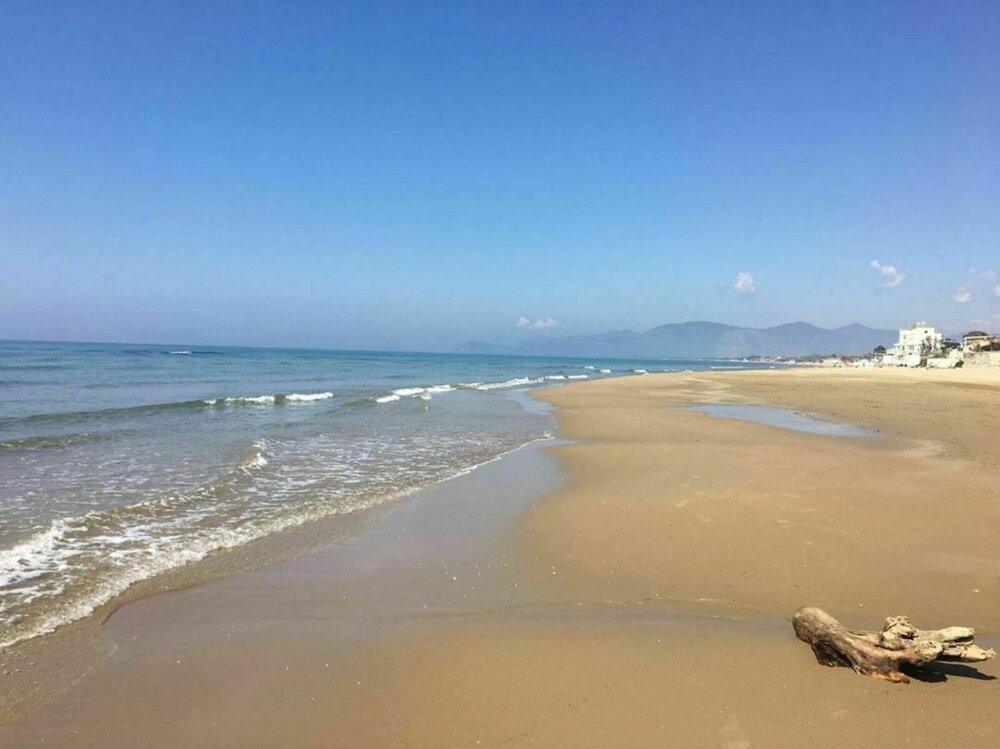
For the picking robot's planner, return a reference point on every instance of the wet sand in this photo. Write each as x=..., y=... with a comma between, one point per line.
x=643, y=601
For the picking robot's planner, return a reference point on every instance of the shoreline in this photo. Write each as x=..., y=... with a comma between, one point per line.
x=35, y=670
x=664, y=551
x=77, y=647
x=422, y=561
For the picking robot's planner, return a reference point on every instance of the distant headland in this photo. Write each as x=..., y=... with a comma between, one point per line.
x=702, y=339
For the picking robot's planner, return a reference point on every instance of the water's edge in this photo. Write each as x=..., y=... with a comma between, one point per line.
x=77, y=647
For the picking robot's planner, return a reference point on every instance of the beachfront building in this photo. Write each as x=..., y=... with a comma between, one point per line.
x=978, y=340
x=980, y=349
x=915, y=346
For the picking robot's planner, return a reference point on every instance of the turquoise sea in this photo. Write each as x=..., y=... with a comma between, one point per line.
x=119, y=462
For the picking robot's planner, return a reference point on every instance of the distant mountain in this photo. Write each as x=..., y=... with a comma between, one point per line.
x=702, y=339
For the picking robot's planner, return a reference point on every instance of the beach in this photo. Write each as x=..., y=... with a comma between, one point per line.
x=629, y=584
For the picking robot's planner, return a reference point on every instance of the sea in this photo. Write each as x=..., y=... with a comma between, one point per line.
x=121, y=462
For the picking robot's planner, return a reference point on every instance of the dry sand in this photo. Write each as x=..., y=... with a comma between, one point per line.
x=644, y=603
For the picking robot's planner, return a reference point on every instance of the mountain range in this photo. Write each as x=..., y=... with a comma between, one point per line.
x=701, y=340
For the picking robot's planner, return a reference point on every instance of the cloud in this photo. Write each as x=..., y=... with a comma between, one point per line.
x=744, y=283
x=988, y=273
x=891, y=277
x=996, y=290
x=963, y=293
x=540, y=324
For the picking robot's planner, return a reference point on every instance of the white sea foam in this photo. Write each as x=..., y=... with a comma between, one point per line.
x=257, y=457
x=115, y=549
x=587, y=366
x=407, y=392
x=254, y=400
x=556, y=377
x=423, y=393
x=181, y=353
x=440, y=388
x=411, y=392
x=579, y=377
x=248, y=400
x=268, y=400
x=15, y=562
x=605, y=371
x=640, y=371
x=307, y=397
x=507, y=383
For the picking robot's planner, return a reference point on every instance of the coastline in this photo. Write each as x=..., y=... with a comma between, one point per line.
x=51, y=678
x=643, y=600
x=33, y=670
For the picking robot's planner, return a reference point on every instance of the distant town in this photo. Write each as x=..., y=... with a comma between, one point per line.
x=921, y=345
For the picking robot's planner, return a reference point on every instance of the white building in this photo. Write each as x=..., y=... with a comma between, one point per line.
x=981, y=349
x=978, y=340
x=915, y=345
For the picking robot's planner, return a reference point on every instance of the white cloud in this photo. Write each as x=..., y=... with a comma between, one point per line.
x=988, y=273
x=540, y=324
x=963, y=293
x=744, y=283
x=891, y=277
x=996, y=290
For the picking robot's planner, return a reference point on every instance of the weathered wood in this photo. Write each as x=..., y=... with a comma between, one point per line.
x=885, y=654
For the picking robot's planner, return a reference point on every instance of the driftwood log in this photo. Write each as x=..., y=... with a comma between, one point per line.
x=886, y=654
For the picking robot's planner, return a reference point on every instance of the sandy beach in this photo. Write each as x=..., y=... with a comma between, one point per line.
x=630, y=585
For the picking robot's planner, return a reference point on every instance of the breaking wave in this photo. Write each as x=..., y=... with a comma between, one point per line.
x=67, y=570
x=69, y=417
x=54, y=442
x=268, y=400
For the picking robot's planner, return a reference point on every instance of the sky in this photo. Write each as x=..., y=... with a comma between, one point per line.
x=415, y=175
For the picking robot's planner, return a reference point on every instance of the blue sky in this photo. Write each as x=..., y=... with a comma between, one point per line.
x=409, y=175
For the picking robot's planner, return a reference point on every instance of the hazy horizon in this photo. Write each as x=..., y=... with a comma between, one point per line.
x=454, y=349
x=377, y=176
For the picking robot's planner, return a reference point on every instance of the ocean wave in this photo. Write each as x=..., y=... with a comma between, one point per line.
x=405, y=392
x=440, y=388
x=640, y=371
x=307, y=397
x=268, y=400
x=65, y=571
x=70, y=417
x=241, y=400
x=579, y=377
x=181, y=352
x=605, y=371
x=33, y=367
x=79, y=563
x=423, y=393
x=400, y=393
x=48, y=442
x=256, y=458
x=515, y=382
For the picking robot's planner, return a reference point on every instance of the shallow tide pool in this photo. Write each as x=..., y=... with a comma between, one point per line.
x=785, y=418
